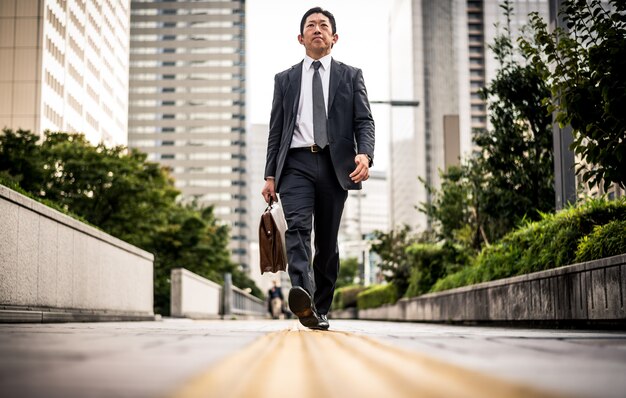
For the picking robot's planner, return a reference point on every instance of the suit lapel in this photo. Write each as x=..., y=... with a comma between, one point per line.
x=293, y=91
x=336, y=74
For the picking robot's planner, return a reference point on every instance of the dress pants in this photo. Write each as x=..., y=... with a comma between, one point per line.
x=311, y=196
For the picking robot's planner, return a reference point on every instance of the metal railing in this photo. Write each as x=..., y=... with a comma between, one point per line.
x=239, y=302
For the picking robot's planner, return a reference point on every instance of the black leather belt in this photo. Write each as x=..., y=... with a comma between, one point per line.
x=313, y=149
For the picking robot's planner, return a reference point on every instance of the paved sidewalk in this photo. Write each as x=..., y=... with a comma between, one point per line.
x=172, y=357
x=131, y=359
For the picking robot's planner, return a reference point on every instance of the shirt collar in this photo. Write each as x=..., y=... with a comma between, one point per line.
x=325, y=60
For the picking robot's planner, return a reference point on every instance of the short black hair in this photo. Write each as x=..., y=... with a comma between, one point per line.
x=318, y=10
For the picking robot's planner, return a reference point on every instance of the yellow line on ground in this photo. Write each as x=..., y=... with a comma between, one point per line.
x=310, y=364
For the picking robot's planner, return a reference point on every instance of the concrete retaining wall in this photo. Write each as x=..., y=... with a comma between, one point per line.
x=591, y=293
x=193, y=296
x=54, y=268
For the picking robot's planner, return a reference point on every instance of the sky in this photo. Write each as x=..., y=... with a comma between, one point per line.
x=272, y=46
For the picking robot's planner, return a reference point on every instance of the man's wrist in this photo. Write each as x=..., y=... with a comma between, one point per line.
x=369, y=159
x=270, y=178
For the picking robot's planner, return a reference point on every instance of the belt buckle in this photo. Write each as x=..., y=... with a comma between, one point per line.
x=314, y=148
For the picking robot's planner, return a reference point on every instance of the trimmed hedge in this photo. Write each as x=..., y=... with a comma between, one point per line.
x=430, y=262
x=549, y=243
x=605, y=241
x=345, y=297
x=377, y=295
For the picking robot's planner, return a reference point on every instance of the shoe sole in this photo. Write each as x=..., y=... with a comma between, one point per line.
x=317, y=327
x=300, y=304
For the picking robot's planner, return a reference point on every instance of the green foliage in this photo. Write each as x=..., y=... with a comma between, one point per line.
x=10, y=182
x=345, y=297
x=21, y=161
x=510, y=178
x=586, y=75
x=516, y=154
x=456, y=210
x=118, y=191
x=348, y=271
x=430, y=262
x=549, y=243
x=191, y=239
x=448, y=209
x=394, y=264
x=605, y=241
x=114, y=188
x=377, y=296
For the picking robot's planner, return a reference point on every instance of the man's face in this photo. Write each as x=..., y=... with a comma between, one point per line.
x=317, y=36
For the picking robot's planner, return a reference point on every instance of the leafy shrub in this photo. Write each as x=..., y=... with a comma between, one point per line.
x=431, y=262
x=345, y=297
x=391, y=248
x=605, y=241
x=377, y=296
x=549, y=243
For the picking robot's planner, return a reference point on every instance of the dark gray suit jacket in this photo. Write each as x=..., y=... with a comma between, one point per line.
x=350, y=122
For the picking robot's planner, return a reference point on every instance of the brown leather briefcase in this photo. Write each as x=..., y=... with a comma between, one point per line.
x=272, y=240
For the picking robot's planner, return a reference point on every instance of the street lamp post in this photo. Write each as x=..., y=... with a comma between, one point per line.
x=414, y=104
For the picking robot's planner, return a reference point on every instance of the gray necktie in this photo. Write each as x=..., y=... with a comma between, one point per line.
x=319, y=111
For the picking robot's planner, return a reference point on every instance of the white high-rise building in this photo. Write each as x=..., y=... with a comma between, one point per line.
x=365, y=211
x=440, y=57
x=187, y=102
x=64, y=67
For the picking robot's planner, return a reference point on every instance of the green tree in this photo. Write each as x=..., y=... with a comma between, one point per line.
x=195, y=240
x=117, y=190
x=21, y=160
x=516, y=153
x=510, y=176
x=456, y=210
x=588, y=84
x=391, y=247
x=113, y=188
x=348, y=271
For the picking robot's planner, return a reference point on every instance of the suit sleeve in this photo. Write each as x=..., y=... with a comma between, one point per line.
x=363, y=121
x=276, y=128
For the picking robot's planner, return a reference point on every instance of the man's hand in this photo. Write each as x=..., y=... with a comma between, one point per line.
x=362, y=171
x=269, y=190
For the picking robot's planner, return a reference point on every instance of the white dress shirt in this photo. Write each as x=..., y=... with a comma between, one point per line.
x=303, y=134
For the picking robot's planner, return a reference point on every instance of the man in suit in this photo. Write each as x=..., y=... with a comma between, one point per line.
x=320, y=145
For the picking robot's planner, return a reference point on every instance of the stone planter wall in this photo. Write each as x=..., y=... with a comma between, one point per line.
x=54, y=268
x=590, y=293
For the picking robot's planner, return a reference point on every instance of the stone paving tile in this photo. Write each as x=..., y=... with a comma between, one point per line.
x=115, y=359
x=153, y=359
x=551, y=359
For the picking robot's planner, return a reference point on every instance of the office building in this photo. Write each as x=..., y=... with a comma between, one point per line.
x=365, y=211
x=187, y=102
x=64, y=67
x=440, y=57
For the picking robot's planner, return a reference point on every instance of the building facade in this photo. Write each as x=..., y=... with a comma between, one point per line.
x=365, y=211
x=440, y=57
x=64, y=67
x=187, y=102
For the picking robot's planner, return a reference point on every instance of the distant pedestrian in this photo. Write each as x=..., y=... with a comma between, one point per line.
x=320, y=145
x=275, y=301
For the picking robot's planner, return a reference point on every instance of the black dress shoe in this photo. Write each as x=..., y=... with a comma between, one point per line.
x=323, y=323
x=300, y=303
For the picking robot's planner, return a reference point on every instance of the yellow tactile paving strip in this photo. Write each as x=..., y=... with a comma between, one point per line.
x=314, y=364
